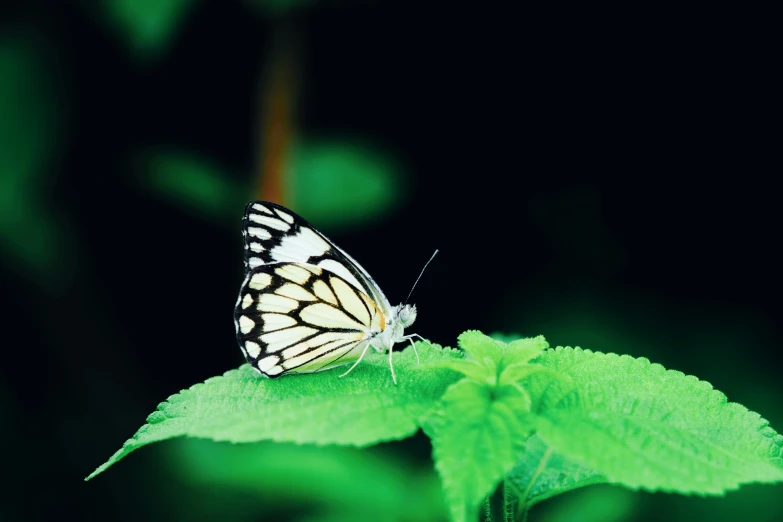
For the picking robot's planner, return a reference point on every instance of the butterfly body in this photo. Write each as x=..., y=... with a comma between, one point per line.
x=402, y=316
x=305, y=305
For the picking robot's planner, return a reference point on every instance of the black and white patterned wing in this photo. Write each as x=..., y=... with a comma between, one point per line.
x=299, y=318
x=274, y=234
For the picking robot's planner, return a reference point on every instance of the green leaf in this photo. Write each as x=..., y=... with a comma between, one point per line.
x=542, y=473
x=494, y=362
x=470, y=369
x=516, y=372
x=363, y=408
x=340, y=479
x=196, y=184
x=515, y=363
x=147, y=26
x=481, y=348
x=523, y=350
x=331, y=184
x=645, y=427
x=478, y=436
x=343, y=183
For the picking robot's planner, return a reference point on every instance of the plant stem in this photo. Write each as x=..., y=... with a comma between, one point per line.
x=497, y=504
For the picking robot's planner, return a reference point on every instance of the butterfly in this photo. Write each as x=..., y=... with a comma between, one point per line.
x=305, y=305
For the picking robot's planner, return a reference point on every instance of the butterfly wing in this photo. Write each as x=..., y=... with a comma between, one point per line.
x=300, y=318
x=274, y=234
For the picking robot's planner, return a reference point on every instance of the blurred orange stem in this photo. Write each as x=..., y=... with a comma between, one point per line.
x=277, y=117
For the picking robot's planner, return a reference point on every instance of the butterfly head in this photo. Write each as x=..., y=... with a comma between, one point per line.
x=406, y=315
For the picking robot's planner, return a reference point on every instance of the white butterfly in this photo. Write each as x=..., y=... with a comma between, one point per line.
x=305, y=305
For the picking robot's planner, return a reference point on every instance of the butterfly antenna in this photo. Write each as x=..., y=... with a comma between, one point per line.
x=422, y=272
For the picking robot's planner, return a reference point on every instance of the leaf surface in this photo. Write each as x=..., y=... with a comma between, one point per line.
x=643, y=426
x=362, y=408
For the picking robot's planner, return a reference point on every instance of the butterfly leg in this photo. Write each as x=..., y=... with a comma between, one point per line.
x=358, y=361
x=391, y=348
x=410, y=338
x=414, y=350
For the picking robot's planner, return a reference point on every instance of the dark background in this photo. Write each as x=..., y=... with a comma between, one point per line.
x=606, y=179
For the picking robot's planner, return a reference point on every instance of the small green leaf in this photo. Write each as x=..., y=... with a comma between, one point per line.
x=494, y=362
x=330, y=184
x=515, y=363
x=523, y=350
x=470, y=369
x=343, y=183
x=542, y=473
x=148, y=26
x=481, y=348
x=517, y=372
x=478, y=436
x=645, y=427
x=363, y=408
x=194, y=183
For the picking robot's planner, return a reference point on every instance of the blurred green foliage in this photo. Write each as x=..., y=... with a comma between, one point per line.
x=147, y=26
x=336, y=183
x=29, y=125
x=597, y=504
x=195, y=184
x=343, y=182
x=754, y=502
x=347, y=483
